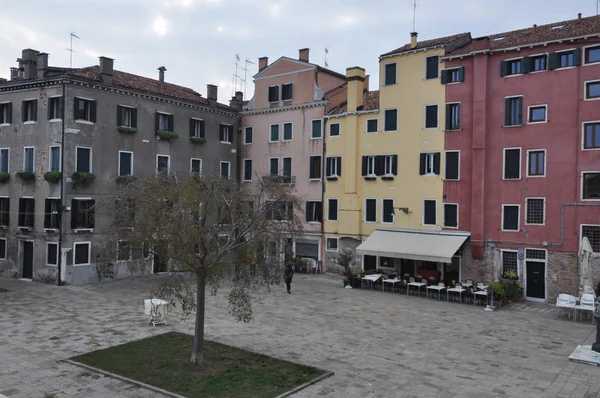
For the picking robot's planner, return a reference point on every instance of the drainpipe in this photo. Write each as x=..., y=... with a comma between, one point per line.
x=62, y=185
x=324, y=178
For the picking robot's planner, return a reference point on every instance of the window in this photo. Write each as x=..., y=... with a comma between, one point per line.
x=123, y=250
x=512, y=163
x=429, y=164
x=334, y=130
x=450, y=215
x=247, y=169
x=4, y=211
x=536, y=165
x=226, y=170
x=314, y=211
x=26, y=212
x=287, y=91
x=52, y=215
x=248, y=135
x=368, y=166
x=591, y=138
x=315, y=168
x=509, y=261
x=538, y=63
x=431, y=68
x=564, y=59
x=431, y=116
x=452, y=116
x=535, y=211
x=54, y=158
x=316, y=129
x=390, y=74
x=29, y=110
x=274, y=94
x=281, y=211
x=387, y=208
x=512, y=67
x=591, y=186
x=370, y=210
x=226, y=133
x=592, y=232
x=51, y=253
x=592, y=55
x=29, y=159
x=5, y=113
x=55, y=108
x=287, y=131
x=537, y=114
x=82, y=213
x=163, y=163
x=513, y=111
x=126, y=116
x=510, y=217
x=332, y=209
x=390, y=165
x=390, y=120
x=164, y=121
x=274, y=166
x=452, y=169
x=82, y=253
x=372, y=125
x=592, y=90
x=332, y=244
x=85, y=110
x=197, y=128
x=196, y=166
x=83, y=160
x=333, y=167
x=287, y=170
x=4, y=157
x=429, y=212
x=454, y=75
x=2, y=248
x=274, y=137
x=125, y=163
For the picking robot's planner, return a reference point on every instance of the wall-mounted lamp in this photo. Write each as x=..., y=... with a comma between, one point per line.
x=403, y=209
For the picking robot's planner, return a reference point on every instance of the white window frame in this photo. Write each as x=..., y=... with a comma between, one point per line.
x=514, y=59
x=56, y=119
x=389, y=157
x=165, y=114
x=130, y=164
x=459, y=103
x=527, y=208
x=537, y=260
x=583, y=50
x=320, y=169
x=425, y=78
x=282, y=132
x=331, y=238
x=444, y=215
x=371, y=165
x=197, y=119
x=581, y=230
x=397, y=120
x=244, y=171
x=252, y=141
x=446, y=164
x=226, y=133
x=278, y=168
x=334, y=165
x=423, y=212
x=581, y=185
x=425, y=116
x=385, y=75
x=130, y=115
x=282, y=170
x=85, y=121
x=5, y=248
x=168, y=162
x=451, y=82
x=537, y=55
x=365, y=204
x=545, y=106
x=430, y=161
x=339, y=129
x=192, y=162
x=518, y=218
x=8, y=149
x=57, y=254
x=338, y=209
x=89, y=262
x=25, y=158
x=278, y=132
x=382, y=210
x=228, y=168
x=520, y=164
x=367, y=126
x=91, y=156
x=22, y=110
x=502, y=251
x=522, y=103
x=565, y=51
x=585, y=83
x=311, y=129
x=50, y=157
x=5, y=124
x=583, y=148
x=545, y=161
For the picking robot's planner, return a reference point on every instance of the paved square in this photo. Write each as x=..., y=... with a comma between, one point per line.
x=378, y=344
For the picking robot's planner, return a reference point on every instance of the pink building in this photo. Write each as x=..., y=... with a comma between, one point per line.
x=283, y=133
x=523, y=127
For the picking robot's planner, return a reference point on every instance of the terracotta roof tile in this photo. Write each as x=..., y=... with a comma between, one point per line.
x=440, y=41
x=540, y=34
x=370, y=103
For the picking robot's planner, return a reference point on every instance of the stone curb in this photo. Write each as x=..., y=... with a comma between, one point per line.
x=122, y=378
x=305, y=385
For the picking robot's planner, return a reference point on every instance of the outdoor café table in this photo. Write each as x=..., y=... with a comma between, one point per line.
x=371, y=278
x=455, y=289
x=482, y=287
x=435, y=287
x=392, y=282
x=467, y=285
x=417, y=284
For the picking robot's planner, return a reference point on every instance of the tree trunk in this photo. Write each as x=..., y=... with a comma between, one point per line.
x=198, y=348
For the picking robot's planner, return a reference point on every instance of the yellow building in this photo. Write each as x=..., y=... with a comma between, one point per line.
x=389, y=192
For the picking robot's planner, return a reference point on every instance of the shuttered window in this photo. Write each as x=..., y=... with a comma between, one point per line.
x=510, y=217
x=450, y=215
x=332, y=209
x=512, y=163
x=370, y=210
x=388, y=211
x=451, y=171
x=429, y=212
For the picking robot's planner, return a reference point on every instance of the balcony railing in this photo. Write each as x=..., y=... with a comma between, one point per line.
x=282, y=180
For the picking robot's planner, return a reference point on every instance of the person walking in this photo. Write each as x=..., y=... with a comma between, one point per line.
x=288, y=274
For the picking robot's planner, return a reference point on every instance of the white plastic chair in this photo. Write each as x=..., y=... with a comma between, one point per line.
x=587, y=302
x=565, y=302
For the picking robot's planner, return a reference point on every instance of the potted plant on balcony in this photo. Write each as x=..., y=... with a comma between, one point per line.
x=82, y=179
x=166, y=135
x=26, y=176
x=126, y=130
x=197, y=140
x=4, y=177
x=52, y=176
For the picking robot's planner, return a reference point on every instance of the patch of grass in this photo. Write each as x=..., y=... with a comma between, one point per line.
x=164, y=361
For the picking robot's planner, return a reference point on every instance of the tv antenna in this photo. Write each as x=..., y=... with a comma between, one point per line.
x=414, y=15
x=246, y=63
x=70, y=49
x=235, y=75
x=326, y=52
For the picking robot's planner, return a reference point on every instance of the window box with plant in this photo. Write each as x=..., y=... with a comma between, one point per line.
x=26, y=176
x=126, y=119
x=166, y=135
x=82, y=179
x=164, y=126
x=4, y=177
x=126, y=130
x=52, y=176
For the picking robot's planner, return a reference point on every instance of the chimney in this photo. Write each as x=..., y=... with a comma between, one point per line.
x=579, y=17
x=28, y=62
x=106, y=70
x=303, y=54
x=14, y=73
x=534, y=28
x=42, y=64
x=366, y=85
x=211, y=93
x=413, y=39
x=21, y=72
x=237, y=101
x=355, y=76
x=161, y=74
x=263, y=62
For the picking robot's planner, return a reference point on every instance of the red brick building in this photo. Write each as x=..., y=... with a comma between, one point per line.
x=523, y=121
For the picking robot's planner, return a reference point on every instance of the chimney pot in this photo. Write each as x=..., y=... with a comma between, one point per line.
x=579, y=17
x=534, y=28
x=161, y=74
x=106, y=70
x=14, y=73
x=42, y=64
x=413, y=39
x=303, y=54
x=263, y=62
x=212, y=93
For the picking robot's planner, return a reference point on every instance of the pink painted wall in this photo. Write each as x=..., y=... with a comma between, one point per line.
x=481, y=191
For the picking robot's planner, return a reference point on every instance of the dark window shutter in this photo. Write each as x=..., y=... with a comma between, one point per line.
x=93, y=111
x=445, y=74
x=527, y=64
x=319, y=211
x=92, y=215
x=221, y=132
x=23, y=113
x=507, y=111
x=333, y=210
x=436, y=163
x=308, y=207
x=577, y=57
x=74, y=213
x=21, y=212
x=422, y=160
x=395, y=165
x=461, y=74
x=512, y=162
x=451, y=170
x=364, y=165
x=171, y=120
x=503, y=68
x=328, y=166
x=430, y=209
x=75, y=108
x=119, y=116
x=202, y=128
x=519, y=110
x=156, y=121
x=552, y=61
x=134, y=118
x=339, y=162
x=50, y=101
x=379, y=165
x=450, y=216
x=511, y=218
x=9, y=113
x=192, y=121
x=448, y=124
x=34, y=110
x=48, y=214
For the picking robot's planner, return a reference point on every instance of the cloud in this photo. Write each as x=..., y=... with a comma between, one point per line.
x=160, y=26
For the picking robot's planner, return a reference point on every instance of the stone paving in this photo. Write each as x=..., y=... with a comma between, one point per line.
x=378, y=344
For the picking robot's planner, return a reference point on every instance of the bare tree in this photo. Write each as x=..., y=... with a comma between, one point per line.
x=211, y=228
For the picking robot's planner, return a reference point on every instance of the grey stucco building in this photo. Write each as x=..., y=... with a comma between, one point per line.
x=94, y=127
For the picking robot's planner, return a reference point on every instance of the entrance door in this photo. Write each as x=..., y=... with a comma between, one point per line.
x=27, y=260
x=369, y=262
x=536, y=280
x=452, y=271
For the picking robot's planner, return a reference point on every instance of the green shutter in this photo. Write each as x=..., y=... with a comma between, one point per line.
x=192, y=127
x=503, y=68
x=507, y=111
x=577, y=57
x=75, y=108
x=552, y=61
x=156, y=121
x=436, y=163
x=444, y=76
x=527, y=64
x=119, y=116
x=134, y=118
x=461, y=74
x=93, y=111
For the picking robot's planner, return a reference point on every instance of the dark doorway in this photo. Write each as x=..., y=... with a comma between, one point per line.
x=27, y=260
x=452, y=271
x=408, y=267
x=369, y=263
x=536, y=279
x=160, y=263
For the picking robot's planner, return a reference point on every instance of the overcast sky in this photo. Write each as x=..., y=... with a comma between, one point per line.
x=197, y=40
